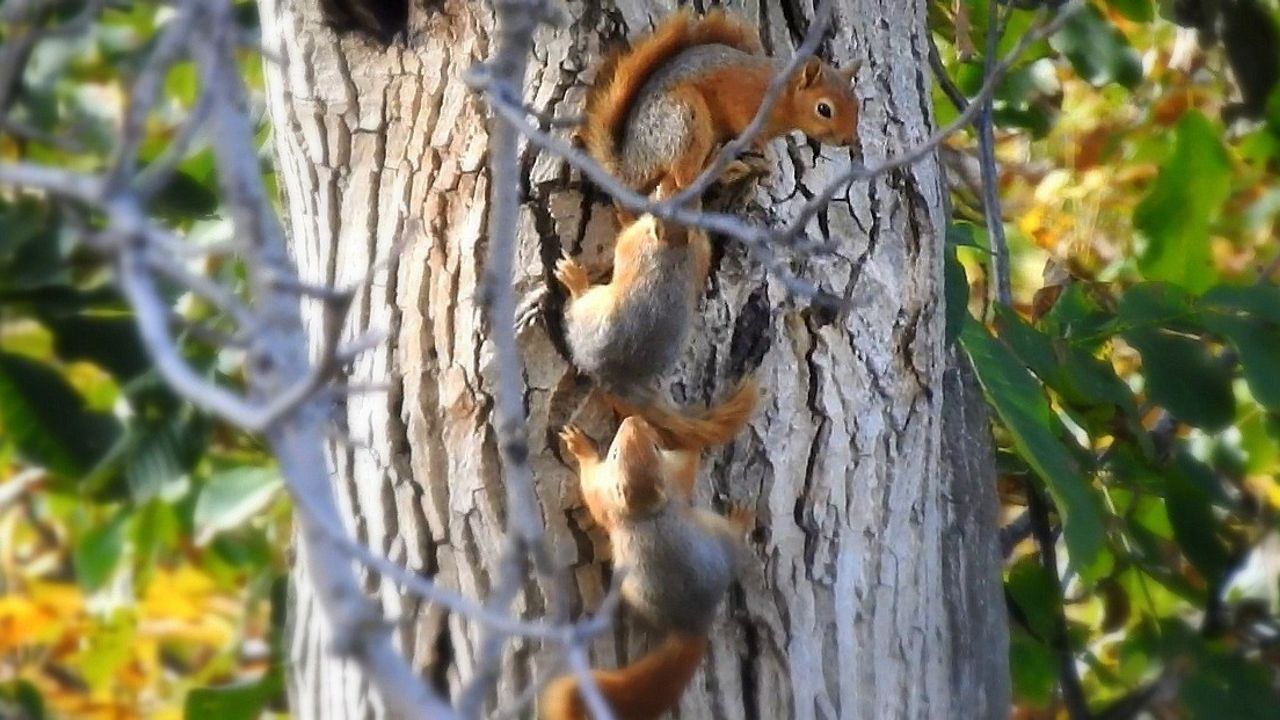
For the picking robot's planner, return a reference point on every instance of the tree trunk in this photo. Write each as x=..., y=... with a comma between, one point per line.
x=873, y=589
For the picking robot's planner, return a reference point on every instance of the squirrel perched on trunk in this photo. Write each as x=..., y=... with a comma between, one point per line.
x=678, y=560
x=630, y=331
x=657, y=111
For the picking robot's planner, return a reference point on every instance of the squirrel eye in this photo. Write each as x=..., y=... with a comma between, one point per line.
x=824, y=110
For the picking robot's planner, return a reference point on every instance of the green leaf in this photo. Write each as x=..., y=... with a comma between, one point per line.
x=98, y=552
x=240, y=701
x=1037, y=596
x=1156, y=304
x=47, y=419
x=1185, y=377
x=1136, y=10
x=1175, y=215
x=110, y=645
x=154, y=531
x=1262, y=301
x=1260, y=441
x=185, y=197
x=30, y=256
x=107, y=339
x=1194, y=525
x=1258, y=344
x=160, y=455
x=1081, y=315
x=231, y=497
x=1021, y=405
x=1226, y=685
x=1097, y=50
x=20, y=700
x=1034, y=669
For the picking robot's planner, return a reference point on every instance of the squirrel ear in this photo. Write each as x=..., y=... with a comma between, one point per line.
x=657, y=228
x=809, y=74
x=847, y=73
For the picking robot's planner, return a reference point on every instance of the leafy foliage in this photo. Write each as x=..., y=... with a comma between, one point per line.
x=140, y=540
x=1133, y=382
x=1134, y=379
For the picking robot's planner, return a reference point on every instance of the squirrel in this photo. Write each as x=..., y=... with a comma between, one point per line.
x=627, y=333
x=679, y=561
x=656, y=112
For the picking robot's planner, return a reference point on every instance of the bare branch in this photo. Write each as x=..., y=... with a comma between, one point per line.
x=279, y=356
x=152, y=178
x=82, y=188
x=221, y=297
x=146, y=92
x=516, y=22
x=13, y=489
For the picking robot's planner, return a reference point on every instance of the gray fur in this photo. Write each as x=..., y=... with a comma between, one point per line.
x=658, y=127
x=678, y=567
x=643, y=336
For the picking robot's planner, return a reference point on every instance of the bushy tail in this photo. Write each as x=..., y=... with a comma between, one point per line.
x=623, y=73
x=718, y=424
x=643, y=690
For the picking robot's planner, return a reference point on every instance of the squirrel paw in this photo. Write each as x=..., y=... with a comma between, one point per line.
x=530, y=309
x=577, y=442
x=573, y=276
x=744, y=168
x=742, y=517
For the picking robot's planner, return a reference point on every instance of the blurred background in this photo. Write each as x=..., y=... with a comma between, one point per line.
x=1136, y=373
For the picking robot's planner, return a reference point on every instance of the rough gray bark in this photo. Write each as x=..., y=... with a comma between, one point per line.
x=873, y=589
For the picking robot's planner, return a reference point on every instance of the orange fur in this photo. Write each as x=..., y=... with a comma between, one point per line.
x=623, y=73
x=693, y=432
x=819, y=100
x=643, y=690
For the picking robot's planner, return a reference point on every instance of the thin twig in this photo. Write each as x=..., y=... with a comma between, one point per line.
x=990, y=172
x=957, y=98
x=152, y=178
x=145, y=93
x=1072, y=692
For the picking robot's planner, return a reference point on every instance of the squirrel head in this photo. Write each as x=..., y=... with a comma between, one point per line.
x=823, y=105
x=649, y=230
x=637, y=451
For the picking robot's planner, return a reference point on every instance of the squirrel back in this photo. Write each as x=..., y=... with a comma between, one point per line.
x=656, y=112
x=623, y=79
x=630, y=331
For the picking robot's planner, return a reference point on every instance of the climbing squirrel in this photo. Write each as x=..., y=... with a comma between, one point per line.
x=678, y=563
x=658, y=110
x=627, y=333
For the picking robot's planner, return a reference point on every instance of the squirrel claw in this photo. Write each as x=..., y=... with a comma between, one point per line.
x=530, y=309
x=742, y=517
x=744, y=168
x=573, y=276
x=577, y=442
